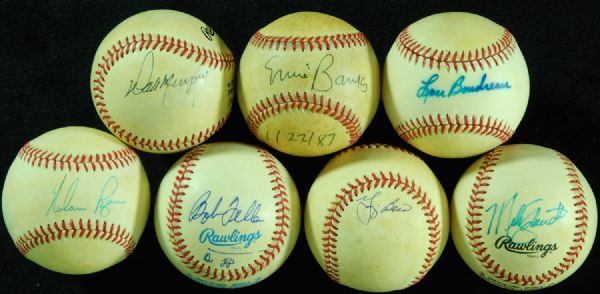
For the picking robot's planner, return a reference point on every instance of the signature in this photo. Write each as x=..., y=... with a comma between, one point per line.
x=368, y=209
x=518, y=221
x=231, y=213
x=62, y=200
x=105, y=201
x=427, y=89
x=146, y=83
x=321, y=79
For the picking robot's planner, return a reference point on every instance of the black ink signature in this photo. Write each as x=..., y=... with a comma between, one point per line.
x=367, y=208
x=322, y=80
x=105, y=200
x=517, y=223
x=66, y=205
x=146, y=83
x=202, y=210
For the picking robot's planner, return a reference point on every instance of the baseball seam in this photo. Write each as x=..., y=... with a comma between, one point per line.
x=174, y=219
x=478, y=59
x=478, y=246
x=326, y=42
x=81, y=229
x=373, y=181
x=38, y=157
x=429, y=125
x=140, y=42
x=297, y=101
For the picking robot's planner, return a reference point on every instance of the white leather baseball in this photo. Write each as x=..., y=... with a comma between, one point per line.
x=308, y=84
x=162, y=81
x=376, y=218
x=227, y=214
x=523, y=217
x=455, y=84
x=76, y=200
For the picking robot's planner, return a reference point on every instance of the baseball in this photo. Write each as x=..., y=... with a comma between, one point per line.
x=376, y=218
x=455, y=84
x=308, y=84
x=162, y=81
x=227, y=215
x=523, y=217
x=75, y=200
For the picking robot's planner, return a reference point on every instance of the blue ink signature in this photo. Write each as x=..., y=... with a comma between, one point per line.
x=367, y=209
x=518, y=222
x=65, y=204
x=427, y=89
x=105, y=200
x=228, y=240
x=202, y=210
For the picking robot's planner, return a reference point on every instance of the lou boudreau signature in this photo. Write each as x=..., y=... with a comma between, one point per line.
x=369, y=207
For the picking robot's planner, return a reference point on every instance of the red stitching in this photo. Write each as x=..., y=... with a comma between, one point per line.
x=140, y=42
x=474, y=221
x=477, y=59
x=81, y=229
x=271, y=106
x=38, y=157
x=327, y=42
x=174, y=228
x=366, y=183
x=429, y=125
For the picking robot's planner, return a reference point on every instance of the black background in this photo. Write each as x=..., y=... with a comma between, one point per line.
x=46, y=51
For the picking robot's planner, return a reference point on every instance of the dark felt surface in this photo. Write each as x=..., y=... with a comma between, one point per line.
x=47, y=50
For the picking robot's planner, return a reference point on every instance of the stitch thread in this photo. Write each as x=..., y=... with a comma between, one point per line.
x=478, y=59
x=174, y=219
x=373, y=181
x=38, y=157
x=276, y=104
x=81, y=229
x=140, y=42
x=429, y=125
x=293, y=43
x=474, y=221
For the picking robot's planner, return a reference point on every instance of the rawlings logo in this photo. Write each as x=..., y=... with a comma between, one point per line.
x=228, y=240
x=531, y=247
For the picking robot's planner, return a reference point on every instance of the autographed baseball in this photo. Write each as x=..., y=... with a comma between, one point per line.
x=227, y=214
x=455, y=84
x=376, y=218
x=75, y=200
x=523, y=217
x=162, y=81
x=308, y=84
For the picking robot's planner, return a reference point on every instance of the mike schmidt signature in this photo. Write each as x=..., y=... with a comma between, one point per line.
x=518, y=221
x=369, y=207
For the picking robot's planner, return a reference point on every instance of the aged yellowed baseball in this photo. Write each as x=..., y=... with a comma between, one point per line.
x=162, y=81
x=523, y=217
x=455, y=84
x=75, y=200
x=308, y=84
x=376, y=218
x=227, y=214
